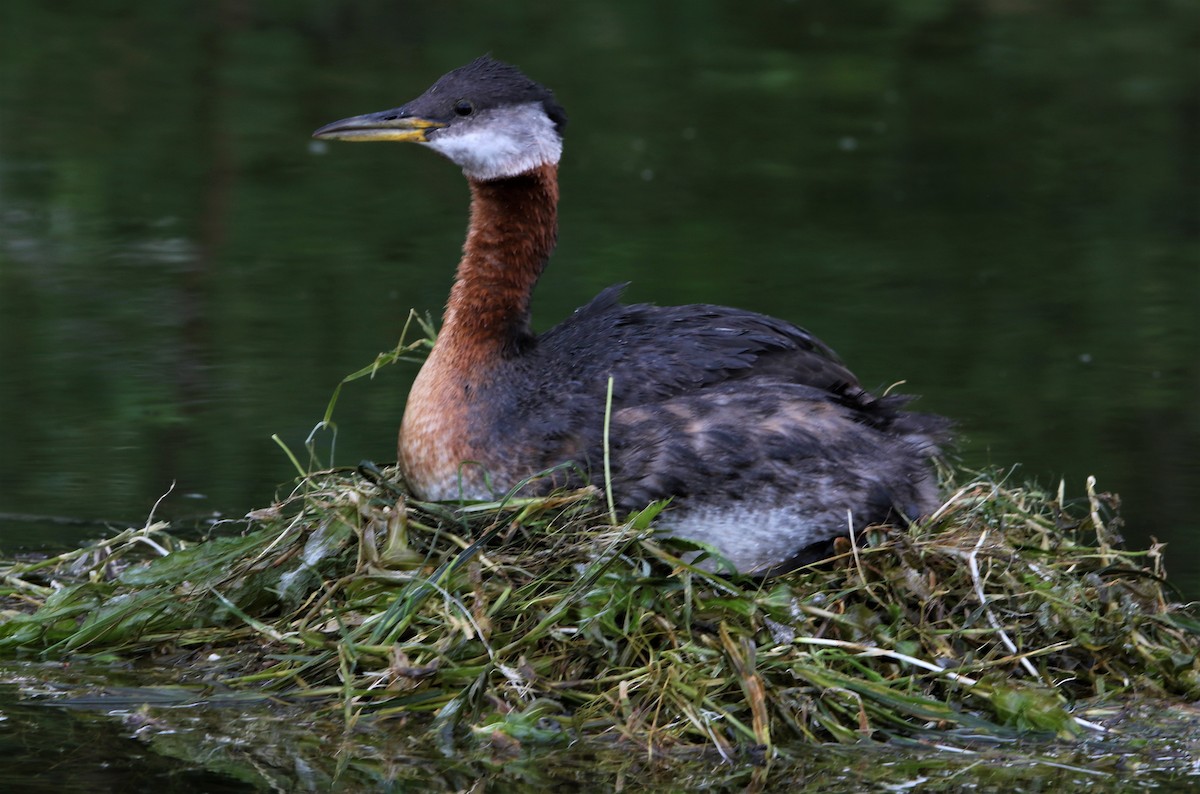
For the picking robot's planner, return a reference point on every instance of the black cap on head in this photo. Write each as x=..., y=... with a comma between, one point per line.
x=485, y=83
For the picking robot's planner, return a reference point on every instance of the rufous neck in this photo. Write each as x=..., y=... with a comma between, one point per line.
x=514, y=227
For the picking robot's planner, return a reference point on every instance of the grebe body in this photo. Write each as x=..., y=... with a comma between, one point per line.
x=765, y=442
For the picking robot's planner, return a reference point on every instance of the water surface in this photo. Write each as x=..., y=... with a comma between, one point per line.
x=998, y=204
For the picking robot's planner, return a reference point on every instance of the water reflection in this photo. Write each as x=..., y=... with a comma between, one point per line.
x=998, y=204
x=86, y=754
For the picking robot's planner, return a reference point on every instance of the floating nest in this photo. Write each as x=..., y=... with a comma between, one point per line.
x=544, y=621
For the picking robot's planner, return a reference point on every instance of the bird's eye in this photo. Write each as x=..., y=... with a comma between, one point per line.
x=463, y=107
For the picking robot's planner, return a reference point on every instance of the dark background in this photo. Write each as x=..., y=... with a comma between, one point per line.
x=997, y=202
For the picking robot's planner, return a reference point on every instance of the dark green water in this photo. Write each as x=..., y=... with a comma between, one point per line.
x=996, y=202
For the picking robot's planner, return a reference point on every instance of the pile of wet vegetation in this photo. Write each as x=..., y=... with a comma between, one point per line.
x=542, y=622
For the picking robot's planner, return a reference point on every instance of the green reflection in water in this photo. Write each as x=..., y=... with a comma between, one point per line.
x=998, y=203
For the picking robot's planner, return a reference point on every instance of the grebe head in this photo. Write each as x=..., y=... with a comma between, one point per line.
x=487, y=117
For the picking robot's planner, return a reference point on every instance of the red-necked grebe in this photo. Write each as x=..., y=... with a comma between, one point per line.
x=764, y=441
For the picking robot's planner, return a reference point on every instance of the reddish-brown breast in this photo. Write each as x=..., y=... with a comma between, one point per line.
x=512, y=233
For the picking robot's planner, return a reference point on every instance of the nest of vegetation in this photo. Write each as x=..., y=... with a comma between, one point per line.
x=541, y=620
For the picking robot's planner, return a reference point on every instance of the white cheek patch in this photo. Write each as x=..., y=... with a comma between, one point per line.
x=500, y=143
x=482, y=153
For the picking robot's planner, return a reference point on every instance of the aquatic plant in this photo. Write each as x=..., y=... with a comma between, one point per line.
x=541, y=620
